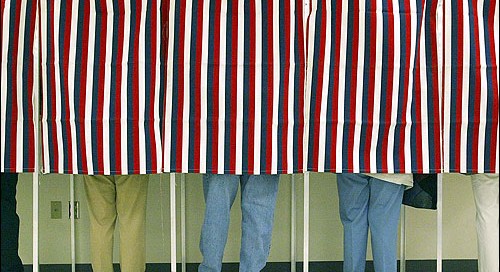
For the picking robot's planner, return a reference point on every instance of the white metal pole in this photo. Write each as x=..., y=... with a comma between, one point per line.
x=306, y=222
x=173, y=234
x=183, y=222
x=35, y=220
x=72, y=220
x=293, y=258
x=37, y=139
x=439, y=266
x=402, y=259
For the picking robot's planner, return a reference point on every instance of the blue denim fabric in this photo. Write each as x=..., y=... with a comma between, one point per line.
x=258, y=200
x=369, y=203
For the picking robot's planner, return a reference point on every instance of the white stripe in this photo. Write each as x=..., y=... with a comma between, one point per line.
x=45, y=133
x=395, y=87
x=465, y=91
x=447, y=86
x=157, y=102
x=276, y=94
x=423, y=102
x=258, y=85
x=407, y=142
x=291, y=95
x=58, y=90
x=5, y=47
x=325, y=88
x=123, y=98
x=308, y=86
x=107, y=88
x=341, y=99
x=186, y=122
x=222, y=87
x=484, y=89
x=377, y=103
x=20, y=87
x=169, y=89
x=359, y=89
x=203, y=87
x=240, y=91
x=142, y=89
x=88, y=94
x=71, y=86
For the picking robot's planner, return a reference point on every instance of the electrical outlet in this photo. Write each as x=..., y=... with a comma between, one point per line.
x=55, y=209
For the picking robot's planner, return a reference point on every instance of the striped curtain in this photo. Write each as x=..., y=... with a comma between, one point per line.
x=101, y=86
x=19, y=84
x=373, y=87
x=235, y=87
x=470, y=92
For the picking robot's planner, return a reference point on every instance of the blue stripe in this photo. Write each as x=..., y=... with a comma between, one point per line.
x=64, y=114
x=366, y=83
x=472, y=87
x=490, y=91
x=78, y=73
x=149, y=90
x=175, y=90
x=348, y=90
x=315, y=88
x=114, y=89
x=50, y=91
x=386, y=68
x=431, y=115
x=246, y=88
x=228, y=85
x=416, y=120
x=264, y=87
x=28, y=66
x=454, y=91
x=283, y=78
x=192, y=90
x=210, y=85
x=298, y=91
x=130, y=90
x=95, y=118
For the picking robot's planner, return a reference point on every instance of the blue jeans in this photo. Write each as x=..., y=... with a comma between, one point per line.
x=258, y=200
x=369, y=203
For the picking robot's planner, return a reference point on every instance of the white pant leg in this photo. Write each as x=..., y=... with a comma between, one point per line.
x=485, y=188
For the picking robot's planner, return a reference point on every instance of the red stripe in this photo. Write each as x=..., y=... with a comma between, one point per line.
x=180, y=102
x=352, y=114
x=30, y=77
x=234, y=89
x=101, y=90
x=436, y=153
x=52, y=89
x=215, y=120
x=197, y=98
x=477, y=91
x=459, y=84
x=152, y=88
x=284, y=134
x=407, y=44
x=270, y=90
x=136, y=169
x=390, y=82
x=301, y=67
x=371, y=90
x=15, y=110
x=119, y=58
x=418, y=112
x=83, y=89
x=251, y=95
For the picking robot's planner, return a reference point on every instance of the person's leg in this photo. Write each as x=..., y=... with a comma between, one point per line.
x=485, y=188
x=353, y=205
x=131, y=197
x=383, y=217
x=10, y=224
x=101, y=193
x=258, y=200
x=220, y=192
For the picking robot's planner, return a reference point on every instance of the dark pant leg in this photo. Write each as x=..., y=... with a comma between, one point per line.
x=10, y=224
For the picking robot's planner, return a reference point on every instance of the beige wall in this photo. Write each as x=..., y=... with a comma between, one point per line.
x=459, y=240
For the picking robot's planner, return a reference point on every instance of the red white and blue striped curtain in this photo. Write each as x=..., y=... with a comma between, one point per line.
x=19, y=84
x=235, y=87
x=373, y=87
x=470, y=92
x=101, y=86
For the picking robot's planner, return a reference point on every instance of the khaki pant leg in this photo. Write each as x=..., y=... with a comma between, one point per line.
x=101, y=195
x=131, y=198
